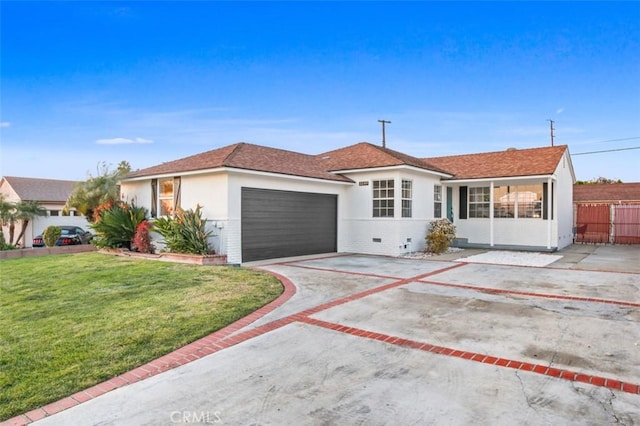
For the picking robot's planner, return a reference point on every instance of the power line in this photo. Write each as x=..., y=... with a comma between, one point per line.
x=606, y=150
x=610, y=140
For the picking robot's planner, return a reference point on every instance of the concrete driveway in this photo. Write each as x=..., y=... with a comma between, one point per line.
x=375, y=340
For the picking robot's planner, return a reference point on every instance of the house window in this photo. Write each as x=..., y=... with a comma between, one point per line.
x=383, y=198
x=406, y=197
x=54, y=212
x=479, y=198
x=166, y=196
x=437, y=201
x=504, y=201
x=529, y=201
x=522, y=201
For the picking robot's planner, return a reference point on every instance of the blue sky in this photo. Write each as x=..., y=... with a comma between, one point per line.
x=148, y=82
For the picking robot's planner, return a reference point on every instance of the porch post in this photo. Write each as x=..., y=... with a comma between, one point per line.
x=549, y=211
x=491, y=214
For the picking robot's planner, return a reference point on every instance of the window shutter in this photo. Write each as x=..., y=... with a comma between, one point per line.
x=176, y=192
x=463, y=202
x=545, y=201
x=154, y=197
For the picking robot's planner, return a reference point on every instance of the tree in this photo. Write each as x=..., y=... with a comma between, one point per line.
x=25, y=212
x=7, y=215
x=97, y=190
x=598, y=180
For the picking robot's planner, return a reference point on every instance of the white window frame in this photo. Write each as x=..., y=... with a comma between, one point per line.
x=407, y=198
x=165, y=196
x=479, y=202
x=437, y=201
x=383, y=198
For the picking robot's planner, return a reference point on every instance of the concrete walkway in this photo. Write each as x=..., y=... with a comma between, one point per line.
x=376, y=340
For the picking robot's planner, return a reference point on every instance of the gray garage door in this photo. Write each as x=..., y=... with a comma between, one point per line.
x=284, y=223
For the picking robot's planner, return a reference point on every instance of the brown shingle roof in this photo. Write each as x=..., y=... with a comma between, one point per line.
x=509, y=163
x=248, y=157
x=365, y=156
x=605, y=192
x=43, y=190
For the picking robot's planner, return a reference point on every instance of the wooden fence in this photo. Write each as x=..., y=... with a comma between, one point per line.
x=607, y=223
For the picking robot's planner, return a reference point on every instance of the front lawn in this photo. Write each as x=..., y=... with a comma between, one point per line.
x=68, y=322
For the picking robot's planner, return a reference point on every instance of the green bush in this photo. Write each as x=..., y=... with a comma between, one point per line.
x=185, y=232
x=50, y=235
x=441, y=234
x=116, y=226
x=3, y=243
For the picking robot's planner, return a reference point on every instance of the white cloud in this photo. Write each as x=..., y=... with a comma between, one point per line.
x=4, y=124
x=559, y=110
x=122, y=141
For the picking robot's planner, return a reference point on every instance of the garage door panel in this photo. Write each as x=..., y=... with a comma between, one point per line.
x=285, y=223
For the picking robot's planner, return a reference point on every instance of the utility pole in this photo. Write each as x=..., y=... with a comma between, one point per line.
x=384, y=141
x=551, y=129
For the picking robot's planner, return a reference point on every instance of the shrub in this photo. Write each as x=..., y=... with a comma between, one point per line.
x=116, y=227
x=3, y=243
x=185, y=232
x=441, y=233
x=50, y=235
x=142, y=239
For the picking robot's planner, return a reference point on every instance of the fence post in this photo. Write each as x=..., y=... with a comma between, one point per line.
x=612, y=220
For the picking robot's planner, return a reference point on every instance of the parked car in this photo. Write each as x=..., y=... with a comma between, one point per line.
x=71, y=235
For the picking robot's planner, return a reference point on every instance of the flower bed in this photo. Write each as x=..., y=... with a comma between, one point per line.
x=194, y=259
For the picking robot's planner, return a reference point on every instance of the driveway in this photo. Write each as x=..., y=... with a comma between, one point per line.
x=376, y=340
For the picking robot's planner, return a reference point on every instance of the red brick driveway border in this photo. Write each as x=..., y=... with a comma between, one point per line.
x=230, y=336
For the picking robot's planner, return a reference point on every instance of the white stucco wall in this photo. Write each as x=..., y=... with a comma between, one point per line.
x=391, y=236
x=208, y=190
x=40, y=223
x=564, y=204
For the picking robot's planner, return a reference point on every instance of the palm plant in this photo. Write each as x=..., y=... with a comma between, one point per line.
x=25, y=212
x=116, y=227
x=8, y=216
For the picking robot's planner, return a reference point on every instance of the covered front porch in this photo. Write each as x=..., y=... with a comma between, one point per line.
x=504, y=213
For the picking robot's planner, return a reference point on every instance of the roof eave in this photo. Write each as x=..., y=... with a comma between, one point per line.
x=172, y=174
x=291, y=176
x=390, y=168
x=229, y=169
x=501, y=178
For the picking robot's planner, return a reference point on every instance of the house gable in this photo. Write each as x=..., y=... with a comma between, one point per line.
x=364, y=156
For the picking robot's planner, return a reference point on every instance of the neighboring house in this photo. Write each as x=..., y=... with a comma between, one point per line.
x=607, y=213
x=267, y=203
x=50, y=194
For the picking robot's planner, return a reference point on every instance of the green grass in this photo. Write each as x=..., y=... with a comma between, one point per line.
x=68, y=322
